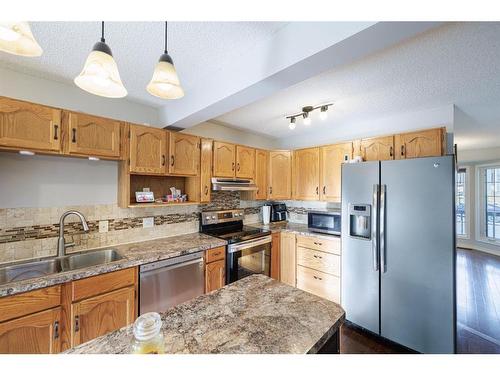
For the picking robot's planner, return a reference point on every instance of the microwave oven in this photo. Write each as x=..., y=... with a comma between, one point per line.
x=324, y=222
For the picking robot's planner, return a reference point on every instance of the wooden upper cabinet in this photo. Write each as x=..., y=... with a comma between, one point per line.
x=379, y=148
x=37, y=333
x=97, y=316
x=306, y=174
x=30, y=126
x=148, y=150
x=280, y=175
x=331, y=159
x=184, y=154
x=206, y=170
x=261, y=162
x=420, y=144
x=245, y=162
x=224, y=159
x=92, y=135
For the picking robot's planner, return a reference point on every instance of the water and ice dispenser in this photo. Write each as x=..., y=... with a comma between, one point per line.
x=360, y=221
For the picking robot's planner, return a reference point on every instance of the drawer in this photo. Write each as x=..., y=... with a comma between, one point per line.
x=30, y=302
x=213, y=255
x=319, y=260
x=95, y=285
x=319, y=283
x=320, y=243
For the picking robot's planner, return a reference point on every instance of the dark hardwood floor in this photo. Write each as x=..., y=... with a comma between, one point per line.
x=478, y=311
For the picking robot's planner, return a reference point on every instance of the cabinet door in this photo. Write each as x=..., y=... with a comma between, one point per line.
x=245, y=162
x=93, y=136
x=206, y=170
x=280, y=175
x=148, y=150
x=97, y=316
x=275, y=256
x=224, y=159
x=37, y=333
x=29, y=126
x=287, y=258
x=214, y=275
x=380, y=148
x=420, y=144
x=184, y=153
x=331, y=159
x=261, y=161
x=306, y=174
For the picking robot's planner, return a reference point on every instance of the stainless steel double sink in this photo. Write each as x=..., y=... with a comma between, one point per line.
x=39, y=268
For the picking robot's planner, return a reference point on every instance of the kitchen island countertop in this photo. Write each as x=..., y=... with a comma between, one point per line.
x=256, y=314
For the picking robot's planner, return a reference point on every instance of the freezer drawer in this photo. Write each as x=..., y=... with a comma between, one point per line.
x=168, y=283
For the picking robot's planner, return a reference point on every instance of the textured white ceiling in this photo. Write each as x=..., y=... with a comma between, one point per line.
x=197, y=48
x=454, y=64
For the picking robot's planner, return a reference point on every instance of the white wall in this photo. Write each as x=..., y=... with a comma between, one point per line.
x=334, y=132
x=57, y=94
x=224, y=133
x=54, y=181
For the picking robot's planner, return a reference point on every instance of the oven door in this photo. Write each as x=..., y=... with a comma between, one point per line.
x=324, y=222
x=248, y=258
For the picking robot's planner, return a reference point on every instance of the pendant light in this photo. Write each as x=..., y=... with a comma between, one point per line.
x=16, y=38
x=165, y=82
x=100, y=74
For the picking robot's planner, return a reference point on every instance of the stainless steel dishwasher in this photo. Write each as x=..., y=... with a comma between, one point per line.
x=167, y=283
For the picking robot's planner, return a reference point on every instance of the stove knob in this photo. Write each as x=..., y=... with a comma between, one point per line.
x=207, y=217
x=213, y=217
x=236, y=215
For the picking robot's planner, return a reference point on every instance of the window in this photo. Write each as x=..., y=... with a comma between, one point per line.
x=460, y=202
x=492, y=202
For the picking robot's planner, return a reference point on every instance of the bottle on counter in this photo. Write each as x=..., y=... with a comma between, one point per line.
x=148, y=338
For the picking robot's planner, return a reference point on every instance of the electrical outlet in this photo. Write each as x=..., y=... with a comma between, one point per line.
x=148, y=222
x=103, y=226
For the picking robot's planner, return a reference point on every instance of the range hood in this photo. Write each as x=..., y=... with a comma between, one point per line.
x=233, y=184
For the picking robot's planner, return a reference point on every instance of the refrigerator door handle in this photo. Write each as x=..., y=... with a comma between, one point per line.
x=375, y=252
x=383, y=260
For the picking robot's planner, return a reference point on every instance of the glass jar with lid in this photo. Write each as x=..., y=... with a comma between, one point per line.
x=148, y=338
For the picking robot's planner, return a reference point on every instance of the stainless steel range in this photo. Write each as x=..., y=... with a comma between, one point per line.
x=249, y=249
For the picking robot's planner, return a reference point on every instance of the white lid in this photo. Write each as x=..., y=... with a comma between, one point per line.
x=147, y=326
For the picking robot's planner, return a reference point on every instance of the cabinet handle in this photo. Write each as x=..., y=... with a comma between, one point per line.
x=238, y=167
x=56, y=127
x=324, y=189
x=172, y=160
x=232, y=166
x=270, y=189
x=317, y=190
x=391, y=154
x=402, y=150
x=317, y=256
x=318, y=243
x=56, y=329
x=163, y=160
x=77, y=323
x=73, y=137
x=317, y=278
x=206, y=190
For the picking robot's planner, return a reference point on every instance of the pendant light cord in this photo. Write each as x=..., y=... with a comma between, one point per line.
x=166, y=40
x=102, y=32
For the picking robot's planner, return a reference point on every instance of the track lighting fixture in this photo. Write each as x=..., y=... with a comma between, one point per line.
x=305, y=114
x=323, y=115
x=292, y=123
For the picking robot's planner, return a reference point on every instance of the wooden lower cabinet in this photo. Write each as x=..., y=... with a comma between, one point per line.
x=275, y=256
x=97, y=316
x=214, y=275
x=37, y=333
x=287, y=258
x=319, y=283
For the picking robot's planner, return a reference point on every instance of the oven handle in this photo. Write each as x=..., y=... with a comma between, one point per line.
x=249, y=244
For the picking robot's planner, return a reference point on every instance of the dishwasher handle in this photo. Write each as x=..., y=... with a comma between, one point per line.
x=173, y=263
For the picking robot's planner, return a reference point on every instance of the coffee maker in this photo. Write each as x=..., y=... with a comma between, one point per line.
x=278, y=212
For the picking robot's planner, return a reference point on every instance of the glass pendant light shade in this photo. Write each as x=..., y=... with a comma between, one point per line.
x=16, y=38
x=100, y=74
x=165, y=82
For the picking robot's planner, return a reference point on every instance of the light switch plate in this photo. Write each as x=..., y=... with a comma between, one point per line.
x=103, y=226
x=148, y=222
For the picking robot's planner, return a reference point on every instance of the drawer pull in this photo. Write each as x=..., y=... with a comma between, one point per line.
x=317, y=278
x=56, y=127
x=317, y=256
x=56, y=329
x=73, y=138
x=77, y=322
x=318, y=243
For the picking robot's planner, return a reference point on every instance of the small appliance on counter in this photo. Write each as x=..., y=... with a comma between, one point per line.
x=266, y=213
x=278, y=212
x=324, y=222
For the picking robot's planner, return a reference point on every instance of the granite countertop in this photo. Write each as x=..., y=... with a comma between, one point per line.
x=256, y=314
x=285, y=226
x=134, y=254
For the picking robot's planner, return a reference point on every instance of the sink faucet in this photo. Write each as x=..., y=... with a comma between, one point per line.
x=61, y=242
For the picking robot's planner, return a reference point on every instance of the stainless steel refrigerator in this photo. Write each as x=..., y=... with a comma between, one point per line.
x=398, y=250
